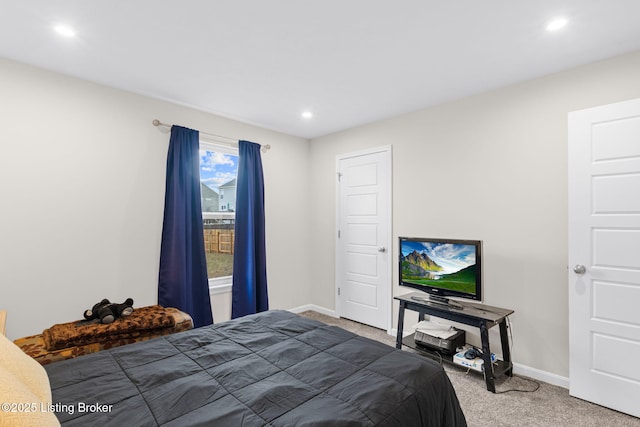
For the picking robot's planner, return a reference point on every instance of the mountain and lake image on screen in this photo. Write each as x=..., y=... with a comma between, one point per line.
x=445, y=265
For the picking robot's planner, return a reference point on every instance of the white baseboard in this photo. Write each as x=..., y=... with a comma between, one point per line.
x=537, y=374
x=316, y=308
x=405, y=332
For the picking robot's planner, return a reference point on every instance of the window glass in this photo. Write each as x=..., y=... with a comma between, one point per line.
x=218, y=177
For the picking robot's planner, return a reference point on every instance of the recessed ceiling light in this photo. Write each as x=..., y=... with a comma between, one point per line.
x=64, y=31
x=556, y=24
x=307, y=114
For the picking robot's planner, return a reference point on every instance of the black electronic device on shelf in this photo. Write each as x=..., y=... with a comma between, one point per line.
x=447, y=345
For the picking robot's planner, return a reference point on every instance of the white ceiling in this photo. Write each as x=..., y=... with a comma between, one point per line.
x=349, y=61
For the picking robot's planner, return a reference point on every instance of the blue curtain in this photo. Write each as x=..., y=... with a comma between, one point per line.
x=249, y=289
x=183, y=281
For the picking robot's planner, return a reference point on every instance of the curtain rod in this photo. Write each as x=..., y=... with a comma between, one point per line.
x=223, y=139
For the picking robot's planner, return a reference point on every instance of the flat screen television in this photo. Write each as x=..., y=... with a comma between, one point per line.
x=442, y=267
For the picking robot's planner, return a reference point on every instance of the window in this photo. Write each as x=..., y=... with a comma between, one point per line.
x=218, y=173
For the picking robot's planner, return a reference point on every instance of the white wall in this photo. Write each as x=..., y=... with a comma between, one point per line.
x=82, y=176
x=490, y=167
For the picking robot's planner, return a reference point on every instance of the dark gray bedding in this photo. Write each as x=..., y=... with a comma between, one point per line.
x=269, y=369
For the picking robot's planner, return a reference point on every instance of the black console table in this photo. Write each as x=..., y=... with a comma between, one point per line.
x=479, y=315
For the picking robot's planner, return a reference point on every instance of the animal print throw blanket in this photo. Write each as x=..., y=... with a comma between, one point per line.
x=141, y=321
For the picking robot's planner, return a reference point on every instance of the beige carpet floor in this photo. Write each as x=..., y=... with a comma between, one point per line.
x=544, y=404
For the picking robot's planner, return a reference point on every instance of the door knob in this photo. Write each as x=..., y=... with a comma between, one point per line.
x=382, y=249
x=579, y=269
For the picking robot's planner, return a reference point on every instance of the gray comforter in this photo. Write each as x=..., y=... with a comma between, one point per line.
x=269, y=369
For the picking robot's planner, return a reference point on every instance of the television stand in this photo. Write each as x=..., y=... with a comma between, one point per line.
x=438, y=302
x=479, y=315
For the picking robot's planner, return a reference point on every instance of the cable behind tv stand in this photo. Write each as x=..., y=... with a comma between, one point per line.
x=479, y=315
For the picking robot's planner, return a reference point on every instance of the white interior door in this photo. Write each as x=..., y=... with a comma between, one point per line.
x=604, y=255
x=363, y=254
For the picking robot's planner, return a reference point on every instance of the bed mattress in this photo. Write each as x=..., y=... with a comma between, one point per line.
x=270, y=369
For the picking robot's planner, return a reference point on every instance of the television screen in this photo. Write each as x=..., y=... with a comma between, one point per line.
x=442, y=267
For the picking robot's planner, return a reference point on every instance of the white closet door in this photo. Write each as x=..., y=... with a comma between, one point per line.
x=604, y=255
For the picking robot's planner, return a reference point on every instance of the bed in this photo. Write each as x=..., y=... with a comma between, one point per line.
x=269, y=369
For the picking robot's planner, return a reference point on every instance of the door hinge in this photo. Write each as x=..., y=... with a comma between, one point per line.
x=338, y=291
x=338, y=234
x=339, y=176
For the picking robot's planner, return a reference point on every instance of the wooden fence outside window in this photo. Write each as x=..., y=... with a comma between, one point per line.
x=219, y=231
x=218, y=240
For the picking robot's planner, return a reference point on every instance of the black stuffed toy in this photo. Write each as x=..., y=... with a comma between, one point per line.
x=107, y=311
